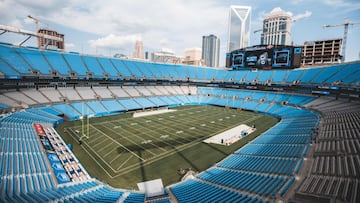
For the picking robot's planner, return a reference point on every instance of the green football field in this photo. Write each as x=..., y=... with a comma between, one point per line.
x=122, y=150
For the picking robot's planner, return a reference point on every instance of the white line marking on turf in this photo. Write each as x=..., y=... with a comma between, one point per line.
x=148, y=121
x=109, y=152
x=192, y=128
x=98, y=143
x=115, y=158
x=124, y=162
x=94, y=140
x=180, y=131
x=120, y=144
x=164, y=136
x=105, y=147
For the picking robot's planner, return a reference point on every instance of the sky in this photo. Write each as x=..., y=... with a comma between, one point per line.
x=107, y=27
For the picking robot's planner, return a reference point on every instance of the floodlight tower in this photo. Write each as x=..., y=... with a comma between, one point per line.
x=346, y=29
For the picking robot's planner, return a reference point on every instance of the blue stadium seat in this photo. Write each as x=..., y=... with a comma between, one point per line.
x=130, y=104
x=67, y=110
x=279, y=76
x=113, y=106
x=10, y=57
x=294, y=75
x=8, y=71
x=34, y=58
x=121, y=68
x=57, y=61
x=108, y=67
x=133, y=68
x=93, y=66
x=98, y=108
x=76, y=64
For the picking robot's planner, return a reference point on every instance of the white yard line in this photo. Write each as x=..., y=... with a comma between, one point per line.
x=94, y=139
x=109, y=153
x=124, y=163
x=105, y=147
x=131, y=140
x=115, y=158
x=97, y=144
x=120, y=144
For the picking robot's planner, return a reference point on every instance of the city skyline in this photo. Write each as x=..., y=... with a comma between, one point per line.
x=110, y=27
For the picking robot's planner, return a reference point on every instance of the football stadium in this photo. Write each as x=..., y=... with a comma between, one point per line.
x=80, y=128
x=280, y=122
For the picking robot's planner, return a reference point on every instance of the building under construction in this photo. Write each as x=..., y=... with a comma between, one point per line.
x=49, y=43
x=321, y=52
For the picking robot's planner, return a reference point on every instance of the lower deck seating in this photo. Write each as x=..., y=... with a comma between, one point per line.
x=198, y=191
x=25, y=174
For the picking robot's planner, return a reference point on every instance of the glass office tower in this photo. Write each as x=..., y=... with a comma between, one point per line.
x=210, y=50
x=239, y=27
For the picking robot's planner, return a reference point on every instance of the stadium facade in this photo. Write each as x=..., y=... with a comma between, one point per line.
x=311, y=155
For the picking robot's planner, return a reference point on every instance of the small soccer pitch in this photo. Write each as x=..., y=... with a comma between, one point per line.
x=123, y=150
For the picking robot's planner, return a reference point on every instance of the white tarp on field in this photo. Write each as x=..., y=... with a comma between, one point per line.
x=230, y=136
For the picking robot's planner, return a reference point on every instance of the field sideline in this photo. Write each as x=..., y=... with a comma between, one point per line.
x=122, y=150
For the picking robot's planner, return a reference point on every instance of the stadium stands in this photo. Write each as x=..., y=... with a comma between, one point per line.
x=321, y=133
x=336, y=161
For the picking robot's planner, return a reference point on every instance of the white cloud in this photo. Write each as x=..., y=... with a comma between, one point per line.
x=301, y=16
x=69, y=45
x=349, y=5
x=297, y=1
x=114, y=41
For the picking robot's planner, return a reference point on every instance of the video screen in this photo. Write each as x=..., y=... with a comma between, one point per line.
x=282, y=57
x=258, y=59
x=238, y=60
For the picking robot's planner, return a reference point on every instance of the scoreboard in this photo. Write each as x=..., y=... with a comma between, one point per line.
x=264, y=57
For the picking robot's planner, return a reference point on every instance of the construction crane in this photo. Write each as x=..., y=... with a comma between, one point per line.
x=346, y=29
x=36, y=22
x=37, y=27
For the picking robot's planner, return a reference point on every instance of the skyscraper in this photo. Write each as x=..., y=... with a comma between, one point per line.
x=210, y=50
x=139, y=50
x=276, y=28
x=239, y=27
